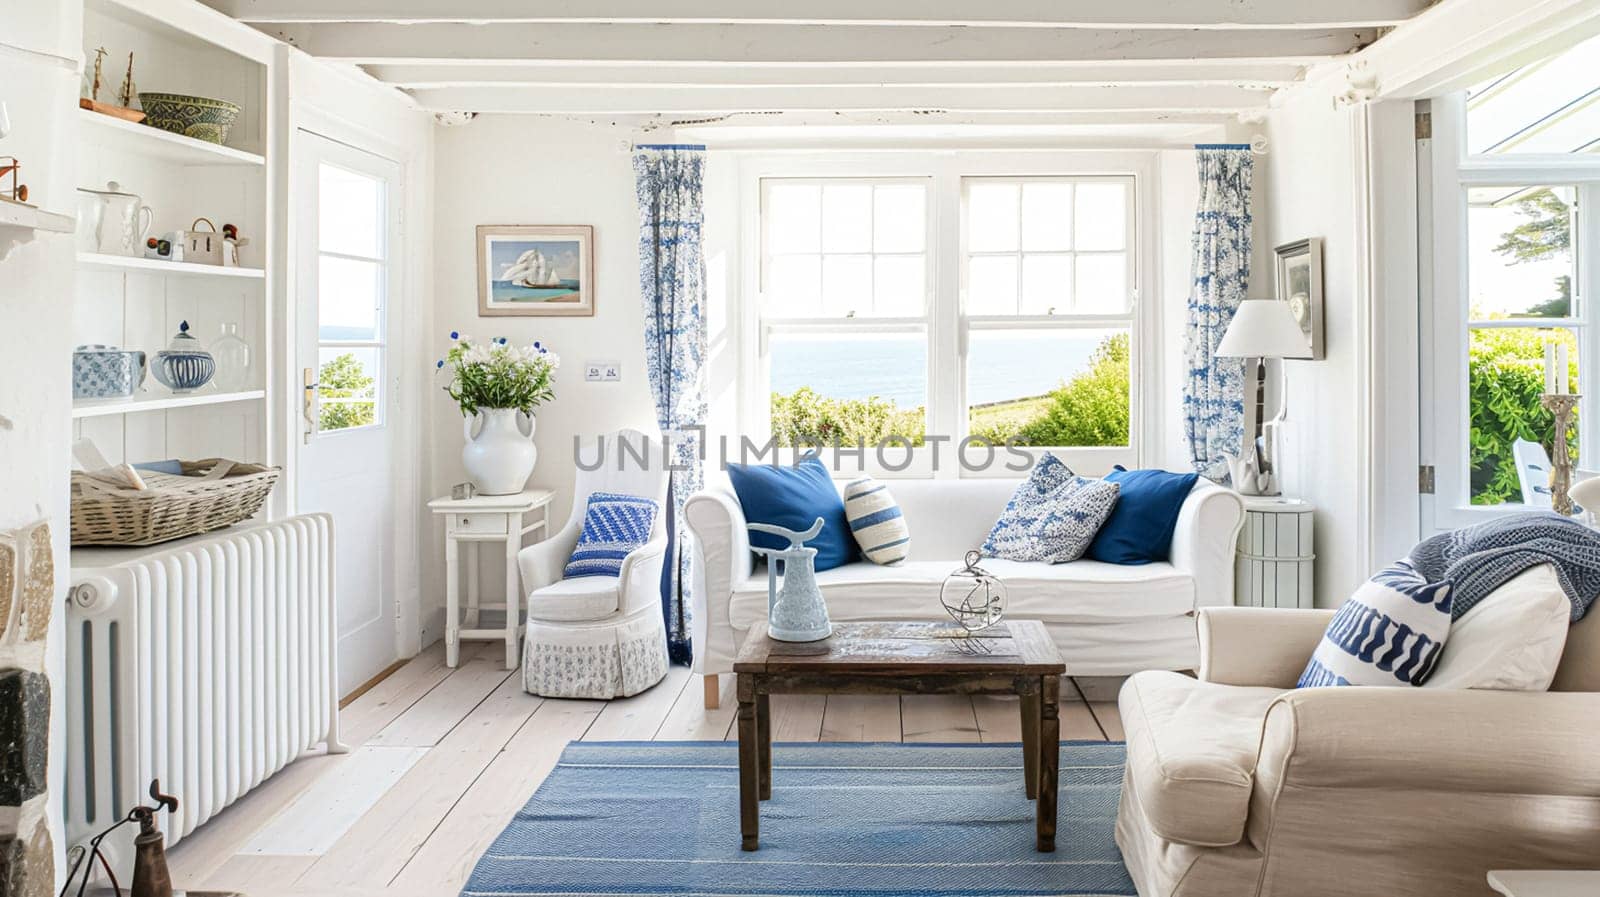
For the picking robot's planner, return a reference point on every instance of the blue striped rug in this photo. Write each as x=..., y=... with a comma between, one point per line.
x=633, y=818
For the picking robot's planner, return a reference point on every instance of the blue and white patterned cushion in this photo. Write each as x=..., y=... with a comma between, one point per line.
x=1053, y=515
x=876, y=522
x=613, y=526
x=1389, y=632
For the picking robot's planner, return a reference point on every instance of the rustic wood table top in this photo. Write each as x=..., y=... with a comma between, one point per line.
x=1013, y=647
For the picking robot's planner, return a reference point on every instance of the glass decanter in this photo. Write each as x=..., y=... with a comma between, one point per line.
x=233, y=360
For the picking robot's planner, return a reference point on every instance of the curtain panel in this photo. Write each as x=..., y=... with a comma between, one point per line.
x=669, y=183
x=1213, y=390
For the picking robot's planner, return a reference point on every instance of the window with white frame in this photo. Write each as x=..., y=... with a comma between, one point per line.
x=352, y=297
x=845, y=298
x=1047, y=293
x=1028, y=336
x=1515, y=213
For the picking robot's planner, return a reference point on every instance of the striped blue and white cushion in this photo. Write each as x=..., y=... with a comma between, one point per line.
x=1390, y=632
x=875, y=521
x=613, y=526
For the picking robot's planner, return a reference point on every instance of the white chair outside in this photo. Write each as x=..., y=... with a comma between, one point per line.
x=599, y=636
x=1533, y=472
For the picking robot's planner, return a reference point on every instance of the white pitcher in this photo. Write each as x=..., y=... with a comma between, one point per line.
x=499, y=458
x=112, y=221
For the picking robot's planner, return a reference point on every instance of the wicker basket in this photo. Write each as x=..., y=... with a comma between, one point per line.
x=211, y=494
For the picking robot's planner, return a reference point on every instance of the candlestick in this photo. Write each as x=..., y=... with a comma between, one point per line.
x=1562, y=406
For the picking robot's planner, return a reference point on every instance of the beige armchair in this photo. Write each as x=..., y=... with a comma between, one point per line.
x=1237, y=785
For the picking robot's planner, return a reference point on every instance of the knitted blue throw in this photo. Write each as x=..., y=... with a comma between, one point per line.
x=1479, y=559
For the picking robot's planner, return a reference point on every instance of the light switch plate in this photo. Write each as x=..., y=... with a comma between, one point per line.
x=602, y=371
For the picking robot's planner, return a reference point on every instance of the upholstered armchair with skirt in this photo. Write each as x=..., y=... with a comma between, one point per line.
x=599, y=636
x=1238, y=785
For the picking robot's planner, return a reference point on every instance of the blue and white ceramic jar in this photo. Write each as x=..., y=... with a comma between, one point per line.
x=106, y=372
x=184, y=365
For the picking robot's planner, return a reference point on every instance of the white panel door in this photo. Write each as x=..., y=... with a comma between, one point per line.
x=346, y=246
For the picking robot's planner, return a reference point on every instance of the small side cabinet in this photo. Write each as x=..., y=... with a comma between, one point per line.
x=1276, y=559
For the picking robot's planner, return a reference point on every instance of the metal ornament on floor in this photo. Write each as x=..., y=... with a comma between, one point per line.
x=796, y=613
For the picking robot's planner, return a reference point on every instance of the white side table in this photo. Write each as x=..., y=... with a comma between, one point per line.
x=1545, y=883
x=470, y=522
x=1276, y=559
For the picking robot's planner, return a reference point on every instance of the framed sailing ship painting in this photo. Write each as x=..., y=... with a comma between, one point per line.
x=535, y=270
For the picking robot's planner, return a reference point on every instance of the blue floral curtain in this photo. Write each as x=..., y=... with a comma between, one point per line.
x=1213, y=391
x=669, y=182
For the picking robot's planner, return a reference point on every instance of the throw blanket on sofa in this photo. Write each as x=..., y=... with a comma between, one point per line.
x=1479, y=559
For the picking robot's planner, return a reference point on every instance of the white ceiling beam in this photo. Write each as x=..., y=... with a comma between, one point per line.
x=1106, y=123
x=1457, y=44
x=801, y=44
x=1257, y=75
x=669, y=100
x=1177, y=14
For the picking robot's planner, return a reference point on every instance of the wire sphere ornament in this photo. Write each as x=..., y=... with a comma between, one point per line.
x=976, y=600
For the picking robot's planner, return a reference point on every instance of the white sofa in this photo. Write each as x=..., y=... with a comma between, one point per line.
x=1109, y=620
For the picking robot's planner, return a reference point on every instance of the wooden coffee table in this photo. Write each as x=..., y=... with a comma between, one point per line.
x=903, y=659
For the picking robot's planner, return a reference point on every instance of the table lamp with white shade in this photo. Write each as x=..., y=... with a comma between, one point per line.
x=1262, y=329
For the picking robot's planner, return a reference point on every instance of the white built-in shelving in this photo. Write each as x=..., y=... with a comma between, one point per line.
x=103, y=407
x=143, y=140
x=30, y=218
x=137, y=303
x=20, y=223
x=159, y=266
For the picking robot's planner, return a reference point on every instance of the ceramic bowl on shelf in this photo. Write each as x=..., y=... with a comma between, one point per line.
x=184, y=365
x=202, y=118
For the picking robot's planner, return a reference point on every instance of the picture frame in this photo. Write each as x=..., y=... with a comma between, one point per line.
x=535, y=270
x=1299, y=283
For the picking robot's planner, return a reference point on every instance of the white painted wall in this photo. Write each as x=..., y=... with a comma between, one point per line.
x=36, y=299
x=506, y=169
x=1308, y=188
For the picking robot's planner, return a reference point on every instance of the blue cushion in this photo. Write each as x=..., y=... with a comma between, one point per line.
x=1052, y=516
x=613, y=526
x=1389, y=632
x=1140, y=528
x=793, y=498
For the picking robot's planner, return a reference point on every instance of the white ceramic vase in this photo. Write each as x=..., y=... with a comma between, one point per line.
x=499, y=458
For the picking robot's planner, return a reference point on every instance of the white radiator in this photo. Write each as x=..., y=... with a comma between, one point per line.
x=208, y=663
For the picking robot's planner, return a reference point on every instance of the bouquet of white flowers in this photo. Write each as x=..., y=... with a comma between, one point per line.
x=499, y=375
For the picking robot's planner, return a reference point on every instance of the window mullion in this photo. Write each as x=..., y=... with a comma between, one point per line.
x=946, y=364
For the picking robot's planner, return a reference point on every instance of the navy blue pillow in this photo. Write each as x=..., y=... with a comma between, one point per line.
x=1140, y=528
x=793, y=498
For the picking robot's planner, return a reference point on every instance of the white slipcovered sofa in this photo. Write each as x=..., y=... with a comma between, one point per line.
x=1109, y=620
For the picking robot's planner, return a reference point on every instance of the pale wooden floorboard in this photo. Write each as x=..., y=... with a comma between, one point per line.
x=256, y=874
x=1110, y=719
x=637, y=718
x=382, y=703
x=490, y=745
x=689, y=720
x=378, y=846
x=794, y=718
x=937, y=718
x=1097, y=689
x=429, y=719
x=196, y=857
x=861, y=718
x=445, y=860
x=1077, y=722
x=999, y=718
